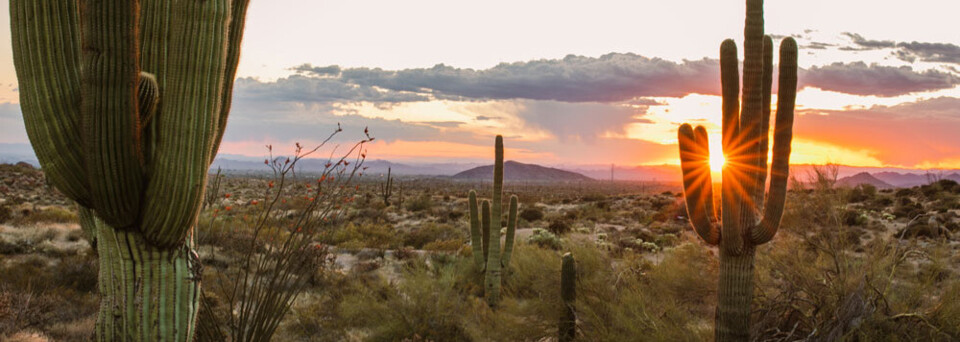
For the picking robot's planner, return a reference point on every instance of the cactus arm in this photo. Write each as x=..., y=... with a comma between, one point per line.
x=568, y=294
x=697, y=184
x=764, y=121
x=110, y=121
x=46, y=56
x=475, y=235
x=148, y=97
x=485, y=228
x=492, y=278
x=511, y=231
x=238, y=15
x=88, y=224
x=188, y=116
x=730, y=229
x=782, y=137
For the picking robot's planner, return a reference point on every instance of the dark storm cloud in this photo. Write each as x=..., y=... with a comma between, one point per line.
x=609, y=78
x=858, y=78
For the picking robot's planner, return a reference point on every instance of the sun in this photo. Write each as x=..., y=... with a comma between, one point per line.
x=716, y=153
x=716, y=162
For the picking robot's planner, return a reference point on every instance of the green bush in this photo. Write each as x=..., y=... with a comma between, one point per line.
x=420, y=203
x=531, y=214
x=544, y=238
x=431, y=232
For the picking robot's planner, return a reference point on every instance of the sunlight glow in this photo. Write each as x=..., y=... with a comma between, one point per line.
x=717, y=159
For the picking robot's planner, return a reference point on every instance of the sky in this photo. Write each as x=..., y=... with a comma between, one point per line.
x=577, y=83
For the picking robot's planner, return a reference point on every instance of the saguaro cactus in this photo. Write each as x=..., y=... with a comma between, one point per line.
x=568, y=293
x=745, y=130
x=386, y=189
x=486, y=228
x=125, y=103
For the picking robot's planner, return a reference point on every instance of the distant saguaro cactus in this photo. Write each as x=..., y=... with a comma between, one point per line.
x=125, y=103
x=745, y=146
x=568, y=294
x=486, y=228
x=386, y=189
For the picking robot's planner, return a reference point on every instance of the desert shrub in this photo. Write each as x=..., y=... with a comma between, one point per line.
x=362, y=235
x=430, y=232
x=559, y=226
x=593, y=197
x=420, y=203
x=860, y=193
x=6, y=212
x=531, y=214
x=852, y=217
x=451, y=245
x=544, y=239
x=46, y=215
x=906, y=192
x=908, y=209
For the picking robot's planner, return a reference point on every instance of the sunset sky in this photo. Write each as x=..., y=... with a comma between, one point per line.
x=578, y=82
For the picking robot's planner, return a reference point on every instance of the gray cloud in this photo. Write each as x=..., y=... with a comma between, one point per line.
x=929, y=52
x=908, y=51
x=858, y=78
x=299, y=88
x=332, y=70
x=609, y=78
x=578, y=121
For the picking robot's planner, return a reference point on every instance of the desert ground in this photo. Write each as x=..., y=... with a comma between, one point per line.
x=851, y=263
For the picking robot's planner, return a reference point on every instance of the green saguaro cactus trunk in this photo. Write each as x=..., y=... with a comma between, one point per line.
x=743, y=225
x=568, y=294
x=486, y=229
x=125, y=103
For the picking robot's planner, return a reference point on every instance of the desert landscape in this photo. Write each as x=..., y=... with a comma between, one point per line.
x=851, y=262
x=302, y=170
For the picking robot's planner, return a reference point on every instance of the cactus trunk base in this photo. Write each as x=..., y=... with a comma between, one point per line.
x=146, y=293
x=735, y=296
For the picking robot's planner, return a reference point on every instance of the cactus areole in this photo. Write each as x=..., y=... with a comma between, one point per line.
x=125, y=103
x=486, y=228
x=751, y=216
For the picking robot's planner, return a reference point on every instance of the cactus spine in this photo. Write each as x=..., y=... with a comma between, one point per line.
x=125, y=120
x=487, y=229
x=743, y=226
x=568, y=294
x=386, y=189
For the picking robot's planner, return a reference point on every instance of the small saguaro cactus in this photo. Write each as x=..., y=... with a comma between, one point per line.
x=386, y=189
x=125, y=103
x=486, y=228
x=743, y=225
x=568, y=294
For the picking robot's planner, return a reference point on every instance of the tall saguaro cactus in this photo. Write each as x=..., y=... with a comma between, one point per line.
x=125, y=103
x=745, y=144
x=486, y=228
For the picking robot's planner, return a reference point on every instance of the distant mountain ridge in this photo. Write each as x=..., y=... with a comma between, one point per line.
x=887, y=180
x=515, y=171
x=863, y=178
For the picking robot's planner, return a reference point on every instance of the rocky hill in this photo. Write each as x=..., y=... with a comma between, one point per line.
x=514, y=171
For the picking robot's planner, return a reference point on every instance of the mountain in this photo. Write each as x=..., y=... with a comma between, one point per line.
x=514, y=171
x=902, y=180
x=863, y=178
